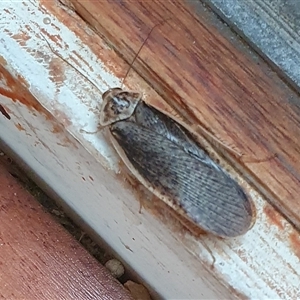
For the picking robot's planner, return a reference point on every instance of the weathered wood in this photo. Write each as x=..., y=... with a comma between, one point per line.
x=211, y=82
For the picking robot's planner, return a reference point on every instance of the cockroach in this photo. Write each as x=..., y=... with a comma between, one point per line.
x=166, y=158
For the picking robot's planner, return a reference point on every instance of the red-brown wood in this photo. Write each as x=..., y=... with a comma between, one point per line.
x=39, y=259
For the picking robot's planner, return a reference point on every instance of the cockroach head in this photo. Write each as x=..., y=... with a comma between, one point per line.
x=118, y=105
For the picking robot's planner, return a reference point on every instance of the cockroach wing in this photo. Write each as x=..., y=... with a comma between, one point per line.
x=153, y=119
x=208, y=196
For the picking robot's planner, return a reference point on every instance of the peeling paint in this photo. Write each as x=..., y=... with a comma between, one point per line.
x=4, y=112
x=273, y=216
x=295, y=243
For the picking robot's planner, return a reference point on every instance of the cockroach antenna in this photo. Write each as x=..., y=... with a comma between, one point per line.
x=140, y=49
x=130, y=66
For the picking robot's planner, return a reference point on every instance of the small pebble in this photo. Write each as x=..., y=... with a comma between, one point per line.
x=115, y=267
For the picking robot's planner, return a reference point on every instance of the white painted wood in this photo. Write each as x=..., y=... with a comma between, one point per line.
x=82, y=168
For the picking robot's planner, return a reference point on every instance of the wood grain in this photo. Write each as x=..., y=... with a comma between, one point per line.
x=213, y=82
x=39, y=259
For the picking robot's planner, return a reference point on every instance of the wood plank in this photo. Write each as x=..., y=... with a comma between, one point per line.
x=211, y=82
x=39, y=259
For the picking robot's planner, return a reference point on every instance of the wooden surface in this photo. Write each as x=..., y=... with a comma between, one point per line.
x=47, y=48
x=39, y=259
x=209, y=81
